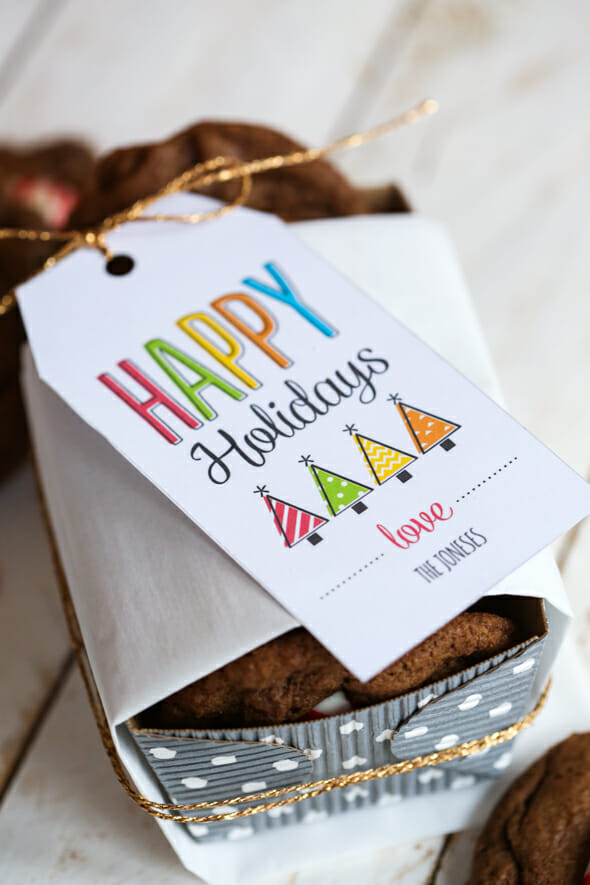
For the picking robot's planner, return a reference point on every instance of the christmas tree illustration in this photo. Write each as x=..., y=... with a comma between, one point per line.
x=293, y=523
x=383, y=461
x=339, y=492
x=426, y=429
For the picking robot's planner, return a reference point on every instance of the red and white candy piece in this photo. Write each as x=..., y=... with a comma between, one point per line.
x=334, y=705
x=53, y=200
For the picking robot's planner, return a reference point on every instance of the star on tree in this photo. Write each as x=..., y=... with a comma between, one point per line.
x=350, y=429
x=306, y=459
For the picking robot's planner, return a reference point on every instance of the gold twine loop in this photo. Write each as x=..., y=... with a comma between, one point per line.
x=201, y=175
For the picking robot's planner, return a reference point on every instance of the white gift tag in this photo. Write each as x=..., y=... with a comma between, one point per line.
x=366, y=484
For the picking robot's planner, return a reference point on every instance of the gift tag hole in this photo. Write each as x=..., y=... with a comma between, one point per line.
x=119, y=265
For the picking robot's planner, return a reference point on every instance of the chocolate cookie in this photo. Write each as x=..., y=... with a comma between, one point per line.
x=38, y=189
x=284, y=679
x=278, y=682
x=298, y=193
x=467, y=639
x=539, y=832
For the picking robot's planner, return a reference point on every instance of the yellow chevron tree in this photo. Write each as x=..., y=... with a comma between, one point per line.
x=384, y=461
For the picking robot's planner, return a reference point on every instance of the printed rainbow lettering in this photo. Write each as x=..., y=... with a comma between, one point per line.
x=261, y=337
x=146, y=407
x=164, y=353
x=286, y=294
x=228, y=358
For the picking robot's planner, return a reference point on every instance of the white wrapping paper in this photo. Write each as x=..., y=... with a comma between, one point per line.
x=160, y=605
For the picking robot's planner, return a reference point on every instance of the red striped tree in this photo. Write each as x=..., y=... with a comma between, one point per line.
x=294, y=524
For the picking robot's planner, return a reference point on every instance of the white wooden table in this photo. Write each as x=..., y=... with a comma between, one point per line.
x=504, y=165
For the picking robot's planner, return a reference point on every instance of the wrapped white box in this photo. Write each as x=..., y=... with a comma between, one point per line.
x=146, y=630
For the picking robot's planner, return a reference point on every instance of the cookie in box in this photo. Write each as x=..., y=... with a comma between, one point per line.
x=488, y=662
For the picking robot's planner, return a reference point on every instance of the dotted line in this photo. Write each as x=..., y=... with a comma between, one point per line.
x=483, y=482
x=350, y=577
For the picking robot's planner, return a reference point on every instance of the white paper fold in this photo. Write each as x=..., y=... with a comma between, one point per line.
x=159, y=603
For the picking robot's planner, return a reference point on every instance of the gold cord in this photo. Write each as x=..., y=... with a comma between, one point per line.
x=217, y=170
x=169, y=811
